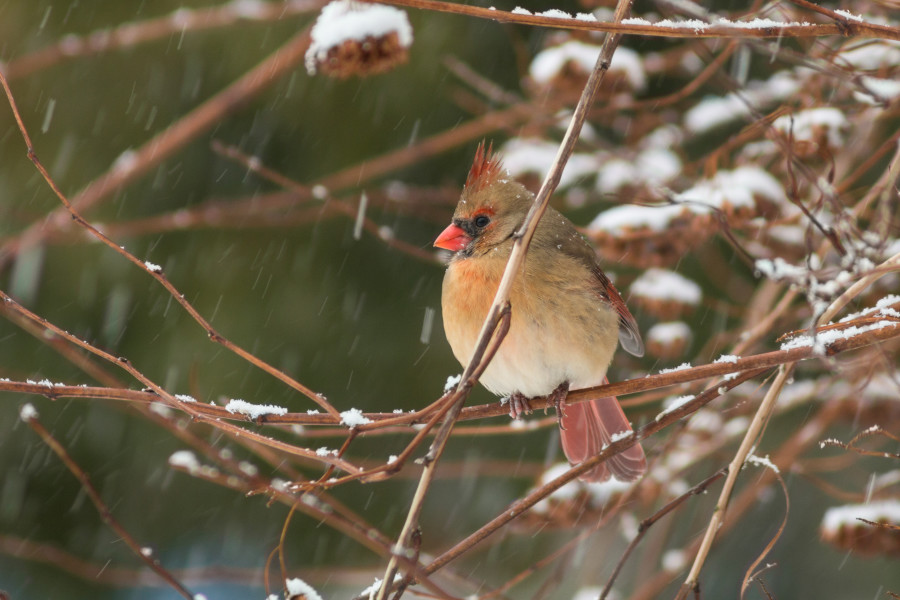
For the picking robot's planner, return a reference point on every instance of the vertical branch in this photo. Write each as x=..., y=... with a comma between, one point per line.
x=759, y=420
x=647, y=523
x=516, y=259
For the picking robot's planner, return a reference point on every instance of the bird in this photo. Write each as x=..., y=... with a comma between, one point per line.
x=566, y=315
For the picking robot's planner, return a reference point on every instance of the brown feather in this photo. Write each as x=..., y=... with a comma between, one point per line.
x=629, y=334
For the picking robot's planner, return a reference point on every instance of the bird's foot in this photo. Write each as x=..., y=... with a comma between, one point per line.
x=558, y=397
x=519, y=405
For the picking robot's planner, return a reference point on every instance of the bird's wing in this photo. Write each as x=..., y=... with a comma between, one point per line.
x=579, y=248
x=629, y=335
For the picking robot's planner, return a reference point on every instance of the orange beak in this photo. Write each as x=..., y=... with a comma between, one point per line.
x=453, y=238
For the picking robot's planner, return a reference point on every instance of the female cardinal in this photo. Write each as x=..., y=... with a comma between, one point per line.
x=566, y=315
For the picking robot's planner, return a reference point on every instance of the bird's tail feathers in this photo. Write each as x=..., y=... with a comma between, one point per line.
x=587, y=427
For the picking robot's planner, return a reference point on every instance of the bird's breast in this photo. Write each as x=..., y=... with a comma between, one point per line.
x=559, y=329
x=469, y=289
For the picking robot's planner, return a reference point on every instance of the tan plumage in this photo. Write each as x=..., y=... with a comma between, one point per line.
x=566, y=315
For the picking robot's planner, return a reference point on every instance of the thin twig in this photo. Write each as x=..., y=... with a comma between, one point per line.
x=645, y=525
x=137, y=163
x=873, y=431
x=183, y=20
x=750, y=575
x=31, y=418
x=154, y=271
x=750, y=440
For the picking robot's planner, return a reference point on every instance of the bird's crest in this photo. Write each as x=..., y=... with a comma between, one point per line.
x=485, y=169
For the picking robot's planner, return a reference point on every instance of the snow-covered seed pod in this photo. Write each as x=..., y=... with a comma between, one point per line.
x=665, y=294
x=575, y=503
x=565, y=68
x=657, y=235
x=650, y=236
x=877, y=534
x=668, y=341
x=358, y=38
x=816, y=131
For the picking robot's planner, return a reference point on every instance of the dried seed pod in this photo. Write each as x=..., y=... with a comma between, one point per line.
x=358, y=38
x=650, y=236
x=665, y=294
x=297, y=589
x=877, y=57
x=873, y=400
x=868, y=529
x=817, y=131
x=668, y=340
x=564, y=69
x=574, y=503
x=740, y=194
x=637, y=175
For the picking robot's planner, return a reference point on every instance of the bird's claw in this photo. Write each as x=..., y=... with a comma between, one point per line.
x=558, y=397
x=519, y=405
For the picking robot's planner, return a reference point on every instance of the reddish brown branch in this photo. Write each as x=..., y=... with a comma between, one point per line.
x=335, y=204
x=689, y=30
x=154, y=271
x=523, y=504
x=141, y=161
x=133, y=34
x=31, y=418
x=384, y=420
x=432, y=146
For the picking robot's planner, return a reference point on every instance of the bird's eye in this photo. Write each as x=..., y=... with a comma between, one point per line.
x=482, y=221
